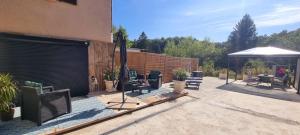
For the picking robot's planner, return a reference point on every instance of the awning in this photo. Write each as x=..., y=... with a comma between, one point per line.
x=265, y=52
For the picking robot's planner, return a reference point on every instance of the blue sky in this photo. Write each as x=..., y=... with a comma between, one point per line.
x=213, y=19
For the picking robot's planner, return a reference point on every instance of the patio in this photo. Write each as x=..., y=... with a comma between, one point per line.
x=288, y=94
x=280, y=72
x=210, y=110
x=84, y=109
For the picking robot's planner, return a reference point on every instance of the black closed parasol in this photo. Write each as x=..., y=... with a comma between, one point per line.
x=123, y=76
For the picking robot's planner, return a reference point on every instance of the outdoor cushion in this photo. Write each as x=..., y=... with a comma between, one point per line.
x=152, y=80
x=132, y=74
x=37, y=86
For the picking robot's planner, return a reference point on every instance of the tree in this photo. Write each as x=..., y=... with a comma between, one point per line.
x=124, y=32
x=284, y=39
x=142, y=41
x=190, y=47
x=156, y=45
x=244, y=35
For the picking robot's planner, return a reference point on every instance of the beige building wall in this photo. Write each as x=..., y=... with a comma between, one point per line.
x=88, y=20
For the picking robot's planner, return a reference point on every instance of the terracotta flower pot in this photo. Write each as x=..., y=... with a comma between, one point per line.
x=179, y=86
x=7, y=115
x=109, y=86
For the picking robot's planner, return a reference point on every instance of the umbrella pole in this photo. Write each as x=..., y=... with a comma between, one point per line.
x=123, y=93
x=227, y=70
x=120, y=105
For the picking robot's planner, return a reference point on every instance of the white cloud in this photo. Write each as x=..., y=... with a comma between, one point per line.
x=226, y=6
x=281, y=15
x=190, y=13
x=209, y=11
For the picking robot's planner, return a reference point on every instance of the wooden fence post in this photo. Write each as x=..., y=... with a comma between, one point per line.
x=145, y=64
x=164, y=75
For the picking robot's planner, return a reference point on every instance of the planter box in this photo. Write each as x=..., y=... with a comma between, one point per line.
x=7, y=116
x=245, y=77
x=222, y=75
x=239, y=77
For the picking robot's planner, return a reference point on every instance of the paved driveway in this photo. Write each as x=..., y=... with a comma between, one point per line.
x=211, y=110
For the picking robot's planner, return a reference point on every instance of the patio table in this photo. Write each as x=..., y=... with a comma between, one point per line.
x=140, y=87
x=262, y=78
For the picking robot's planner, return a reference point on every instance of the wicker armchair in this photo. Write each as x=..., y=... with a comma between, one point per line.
x=134, y=76
x=134, y=80
x=155, y=79
x=41, y=107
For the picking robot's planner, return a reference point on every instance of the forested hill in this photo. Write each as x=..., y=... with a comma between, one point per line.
x=214, y=54
x=284, y=39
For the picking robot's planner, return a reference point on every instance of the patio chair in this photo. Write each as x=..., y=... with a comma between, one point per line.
x=39, y=106
x=155, y=79
x=17, y=99
x=134, y=81
x=281, y=81
x=134, y=76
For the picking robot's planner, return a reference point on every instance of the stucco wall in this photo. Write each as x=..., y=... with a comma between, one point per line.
x=89, y=20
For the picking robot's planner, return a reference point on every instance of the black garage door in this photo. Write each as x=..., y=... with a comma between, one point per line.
x=60, y=63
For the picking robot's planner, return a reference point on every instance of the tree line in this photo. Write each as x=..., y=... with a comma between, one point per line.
x=214, y=54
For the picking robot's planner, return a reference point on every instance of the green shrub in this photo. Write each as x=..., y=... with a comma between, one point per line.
x=180, y=74
x=208, y=68
x=257, y=67
x=110, y=75
x=8, y=90
x=215, y=73
x=223, y=71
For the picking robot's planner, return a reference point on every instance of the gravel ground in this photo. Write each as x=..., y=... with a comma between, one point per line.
x=210, y=110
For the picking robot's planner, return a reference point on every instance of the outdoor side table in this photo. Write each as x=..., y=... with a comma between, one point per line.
x=141, y=87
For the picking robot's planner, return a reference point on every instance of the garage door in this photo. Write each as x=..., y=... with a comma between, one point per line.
x=56, y=62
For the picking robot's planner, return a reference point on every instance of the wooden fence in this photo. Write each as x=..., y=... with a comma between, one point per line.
x=100, y=58
x=145, y=62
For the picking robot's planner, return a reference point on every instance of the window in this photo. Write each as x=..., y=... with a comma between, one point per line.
x=74, y=2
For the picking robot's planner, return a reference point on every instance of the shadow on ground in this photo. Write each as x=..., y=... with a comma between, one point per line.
x=258, y=114
x=146, y=117
x=145, y=94
x=261, y=91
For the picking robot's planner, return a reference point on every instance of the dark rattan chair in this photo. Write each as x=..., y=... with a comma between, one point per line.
x=134, y=76
x=134, y=81
x=41, y=107
x=155, y=79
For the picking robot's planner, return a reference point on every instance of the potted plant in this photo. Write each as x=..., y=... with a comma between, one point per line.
x=8, y=90
x=223, y=73
x=109, y=76
x=180, y=76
